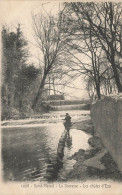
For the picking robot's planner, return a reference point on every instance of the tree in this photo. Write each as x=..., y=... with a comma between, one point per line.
x=16, y=71
x=14, y=55
x=26, y=76
x=82, y=42
x=104, y=21
x=52, y=44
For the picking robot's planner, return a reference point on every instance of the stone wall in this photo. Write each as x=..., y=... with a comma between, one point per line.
x=107, y=119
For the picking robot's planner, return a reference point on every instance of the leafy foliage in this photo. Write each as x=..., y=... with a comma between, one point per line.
x=17, y=74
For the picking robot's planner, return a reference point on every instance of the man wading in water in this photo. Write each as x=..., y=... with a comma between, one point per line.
x=67, y=123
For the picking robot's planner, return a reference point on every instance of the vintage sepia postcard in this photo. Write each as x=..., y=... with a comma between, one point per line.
x=61, y=97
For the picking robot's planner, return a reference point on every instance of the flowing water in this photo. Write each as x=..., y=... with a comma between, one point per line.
x=28, y=145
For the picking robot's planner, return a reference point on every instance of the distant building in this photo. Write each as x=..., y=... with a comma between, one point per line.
x=56, y=97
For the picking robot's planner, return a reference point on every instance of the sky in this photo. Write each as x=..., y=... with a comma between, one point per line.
x=14, y=12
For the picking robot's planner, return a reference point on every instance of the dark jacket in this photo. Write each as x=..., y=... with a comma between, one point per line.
x=67, y=120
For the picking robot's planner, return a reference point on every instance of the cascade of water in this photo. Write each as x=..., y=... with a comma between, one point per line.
x=66, y=102
x=71, y=107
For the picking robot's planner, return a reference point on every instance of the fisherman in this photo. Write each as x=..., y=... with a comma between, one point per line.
x=67, y=122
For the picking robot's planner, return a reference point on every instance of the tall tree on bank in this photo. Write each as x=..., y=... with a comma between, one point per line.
x=16, y=71
x=51, y=42
x=83, y=46
x=104, y=21
x=14, y=55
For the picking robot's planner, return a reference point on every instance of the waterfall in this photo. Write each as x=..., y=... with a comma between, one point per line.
x=60, y=105
x=71, y=107
x=66, y=102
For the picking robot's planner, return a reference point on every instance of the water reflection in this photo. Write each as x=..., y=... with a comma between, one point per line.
x=26, y=152
x=27, y=148
x=68, y=140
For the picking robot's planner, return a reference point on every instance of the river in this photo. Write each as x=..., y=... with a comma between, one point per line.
x=28, y=145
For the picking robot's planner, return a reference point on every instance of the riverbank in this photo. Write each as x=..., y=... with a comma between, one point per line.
x=95, y=163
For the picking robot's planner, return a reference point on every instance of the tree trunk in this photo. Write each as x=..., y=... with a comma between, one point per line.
x=98, y=90
x=54, y=87
x=117, y=79
x=49, y=86
x=116, y=75
x=39, y=92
